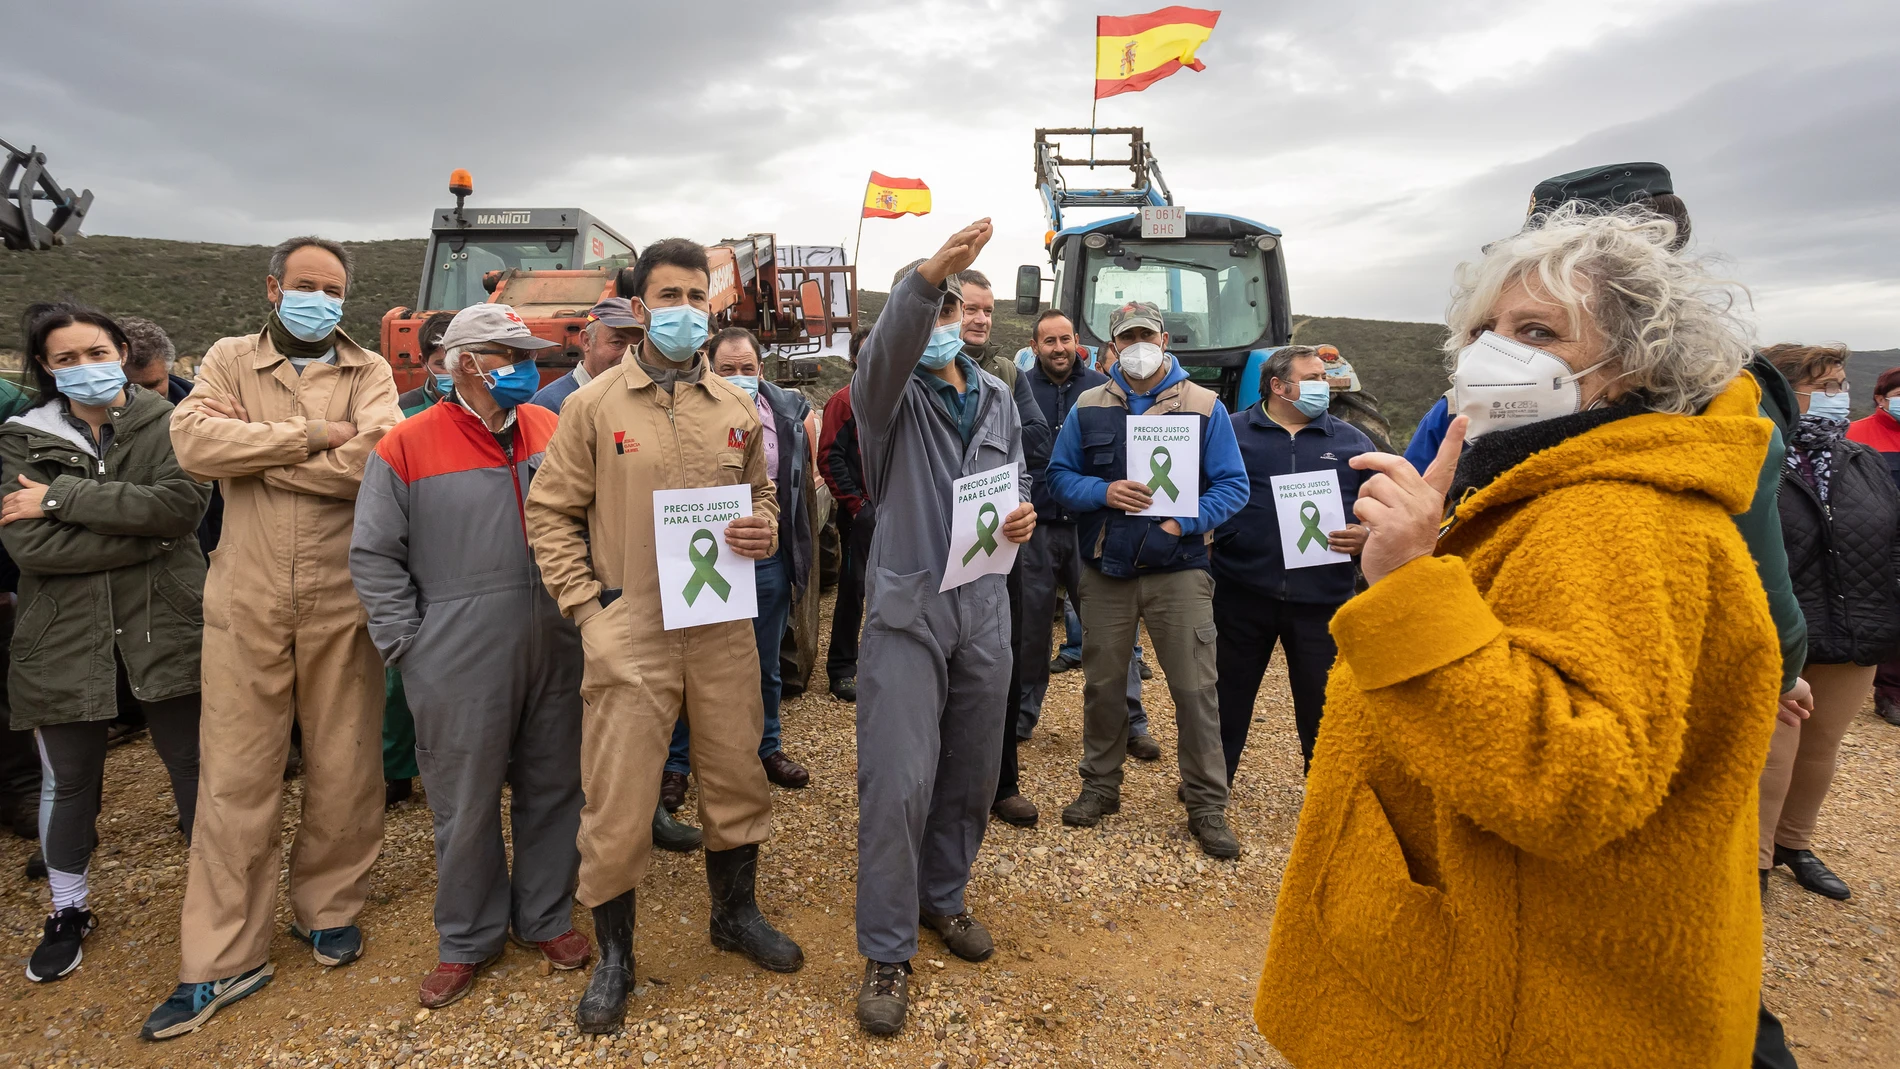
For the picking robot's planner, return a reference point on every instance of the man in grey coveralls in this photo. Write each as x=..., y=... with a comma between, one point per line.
x=933, y=668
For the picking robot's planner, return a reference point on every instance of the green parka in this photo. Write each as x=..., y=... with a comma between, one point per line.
x=115, y=563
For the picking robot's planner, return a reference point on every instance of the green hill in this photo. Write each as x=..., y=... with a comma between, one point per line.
x=198, y=292
x=201, y=292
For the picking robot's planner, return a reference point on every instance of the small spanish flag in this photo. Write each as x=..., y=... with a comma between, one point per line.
x=888, y=198
x=1133, y=52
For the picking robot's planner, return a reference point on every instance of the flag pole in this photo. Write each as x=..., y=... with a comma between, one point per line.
x=858, y=242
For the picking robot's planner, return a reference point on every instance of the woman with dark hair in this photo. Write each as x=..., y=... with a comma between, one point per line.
x=1881, y=431
x=1840, y=519
x=101, y=522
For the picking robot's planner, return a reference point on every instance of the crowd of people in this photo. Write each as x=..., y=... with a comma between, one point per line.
x=1622, y=595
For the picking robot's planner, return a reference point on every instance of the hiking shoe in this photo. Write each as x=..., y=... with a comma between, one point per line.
x=672, y=790
x=397, y=791
x=1143, y=747
x=332, y=947
x=1061, y=665
x=963, y=934
x=1088, y=810
x=1211, y=831
x=845, y=690
x=1146, y=672
x=1016, y=810
x=449, y=981
x=36, y=865
x=569, y=950
x=883, y=997
x=59, y=952
x=192, y=1005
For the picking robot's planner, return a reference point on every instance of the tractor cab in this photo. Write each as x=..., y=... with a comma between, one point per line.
x=466, y=245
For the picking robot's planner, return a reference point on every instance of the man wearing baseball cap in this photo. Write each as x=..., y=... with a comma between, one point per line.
x=933, y=669
x=491, y=668
x=1147, y=569
x=613, y=326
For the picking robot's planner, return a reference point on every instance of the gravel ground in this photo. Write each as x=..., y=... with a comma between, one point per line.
x=1118, y=946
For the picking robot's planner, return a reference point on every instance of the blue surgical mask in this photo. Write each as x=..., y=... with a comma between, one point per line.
x=1313, y=399
x=1828, y=406
x=677, y=331
x=445, y=384
x=308, y=314
x=91, y=384
x=748, y=383
x=515, y=384
x=1893, y=407
x=944, y=345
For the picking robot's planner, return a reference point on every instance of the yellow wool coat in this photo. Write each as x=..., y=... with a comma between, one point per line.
x=1529, y=830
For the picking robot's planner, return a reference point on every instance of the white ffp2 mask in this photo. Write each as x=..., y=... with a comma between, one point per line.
x=1141, y=359
x=1499, y=383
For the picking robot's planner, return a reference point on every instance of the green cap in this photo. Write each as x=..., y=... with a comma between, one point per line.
x=1135, y=314
x=1609, y=187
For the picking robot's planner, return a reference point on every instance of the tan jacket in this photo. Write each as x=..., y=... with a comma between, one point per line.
x=290, y=502
x=621, y=437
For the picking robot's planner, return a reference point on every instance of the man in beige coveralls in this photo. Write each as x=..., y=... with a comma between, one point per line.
x=285, y=419
x=660, y=420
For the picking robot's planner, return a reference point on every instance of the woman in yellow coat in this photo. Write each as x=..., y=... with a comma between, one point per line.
x=1529, y=831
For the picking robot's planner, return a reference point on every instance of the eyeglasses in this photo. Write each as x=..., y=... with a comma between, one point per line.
x=1831, y=390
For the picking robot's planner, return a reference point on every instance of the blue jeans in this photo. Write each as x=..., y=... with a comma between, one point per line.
x=774, y=578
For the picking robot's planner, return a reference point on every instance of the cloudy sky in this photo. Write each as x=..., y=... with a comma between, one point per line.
x=1387, y=138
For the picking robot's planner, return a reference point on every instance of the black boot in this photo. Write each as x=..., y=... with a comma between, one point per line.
x=675, y=835
x=604, y=1007
x=737, y=923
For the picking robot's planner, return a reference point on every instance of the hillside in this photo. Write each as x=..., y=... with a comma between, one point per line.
x=197, y=292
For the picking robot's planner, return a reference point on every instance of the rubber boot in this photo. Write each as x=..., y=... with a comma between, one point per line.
x=737, y=923
x=604, y=1007
x=672, y=834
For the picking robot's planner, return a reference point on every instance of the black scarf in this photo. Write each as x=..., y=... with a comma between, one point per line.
x=1500, y=451
x=282, y=340
x=1811, y=447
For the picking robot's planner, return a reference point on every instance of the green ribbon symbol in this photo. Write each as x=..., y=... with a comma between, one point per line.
x=1159, y=464
x=985, y=535
x=704, y=574
x=1309, y=521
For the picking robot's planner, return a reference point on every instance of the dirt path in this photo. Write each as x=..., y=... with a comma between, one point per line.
x=1118, y=946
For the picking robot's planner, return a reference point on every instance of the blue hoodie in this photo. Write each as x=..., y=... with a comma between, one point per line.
x=1079, y=477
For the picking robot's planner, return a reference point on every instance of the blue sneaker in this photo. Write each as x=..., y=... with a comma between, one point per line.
x=332, y=946
x=193, y=1004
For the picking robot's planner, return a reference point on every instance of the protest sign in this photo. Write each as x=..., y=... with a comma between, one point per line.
x=979, y=504
x=1308, y=506
x=702, y=581
x=1164, y=453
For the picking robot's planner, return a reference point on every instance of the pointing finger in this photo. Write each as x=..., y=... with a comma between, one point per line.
x=1445, y=464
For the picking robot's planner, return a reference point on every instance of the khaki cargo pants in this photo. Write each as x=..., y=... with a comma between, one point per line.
x=639, y=680
x=1178, y=608
x=260, y=673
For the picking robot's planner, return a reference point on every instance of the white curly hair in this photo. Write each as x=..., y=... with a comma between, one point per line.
x=1668, y=324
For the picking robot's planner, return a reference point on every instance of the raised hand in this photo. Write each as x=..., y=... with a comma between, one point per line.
x=958, y=252
x=1402, y=509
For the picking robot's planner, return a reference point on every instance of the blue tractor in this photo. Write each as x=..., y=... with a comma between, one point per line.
x=1219, y=279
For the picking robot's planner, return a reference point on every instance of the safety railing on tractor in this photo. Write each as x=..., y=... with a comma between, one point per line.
x=1147, y=187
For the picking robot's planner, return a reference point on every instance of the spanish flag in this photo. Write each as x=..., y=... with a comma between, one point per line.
x=1133, y=52
x=888, y=198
